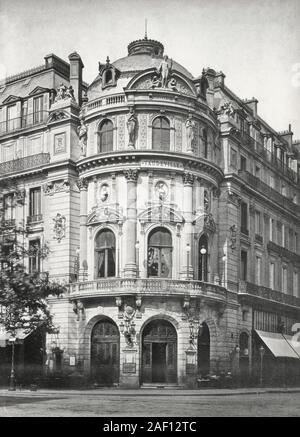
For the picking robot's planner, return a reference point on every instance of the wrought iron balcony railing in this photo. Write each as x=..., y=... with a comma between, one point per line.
x=25, y=163
x=23, y=122
x=272, y=194
x=123, y=286
x=248, y=288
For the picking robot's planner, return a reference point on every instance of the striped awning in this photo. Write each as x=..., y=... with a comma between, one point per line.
x=281, y=346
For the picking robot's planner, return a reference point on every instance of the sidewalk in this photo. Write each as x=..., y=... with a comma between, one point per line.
x=147, y=392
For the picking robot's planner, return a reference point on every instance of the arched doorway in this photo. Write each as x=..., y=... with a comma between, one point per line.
x=203, y=350
x=105, y=346
x=159, y=352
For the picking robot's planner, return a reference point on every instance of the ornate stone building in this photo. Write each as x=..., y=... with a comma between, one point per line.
x=170, y=208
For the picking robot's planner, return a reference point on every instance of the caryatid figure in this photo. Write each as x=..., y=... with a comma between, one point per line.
x=131, y=127
x=190, y=133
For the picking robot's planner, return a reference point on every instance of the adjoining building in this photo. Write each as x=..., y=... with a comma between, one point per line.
x=172, y=211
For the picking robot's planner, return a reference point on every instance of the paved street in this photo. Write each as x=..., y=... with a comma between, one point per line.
x=149, y=403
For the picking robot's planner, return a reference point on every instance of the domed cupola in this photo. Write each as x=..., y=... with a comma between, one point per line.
x=146, y=46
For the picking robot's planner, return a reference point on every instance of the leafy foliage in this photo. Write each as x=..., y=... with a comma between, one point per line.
x=23, y=295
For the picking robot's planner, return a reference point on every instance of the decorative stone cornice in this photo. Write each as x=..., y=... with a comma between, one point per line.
x=131, y=175
x=188, y=179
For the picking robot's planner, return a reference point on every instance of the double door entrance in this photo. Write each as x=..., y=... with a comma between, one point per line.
x=159, y=353
x=105, y=347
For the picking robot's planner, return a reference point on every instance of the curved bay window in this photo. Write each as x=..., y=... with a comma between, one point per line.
x=159, y=259
x=105, y=253
x=203, y=255
x=161, y=134
x=105, y=139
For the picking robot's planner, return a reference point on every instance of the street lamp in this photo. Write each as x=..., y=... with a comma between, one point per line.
x=188, y=249
x=12, y=380
x=262, y=352
x=137, y=254
x=203, y=253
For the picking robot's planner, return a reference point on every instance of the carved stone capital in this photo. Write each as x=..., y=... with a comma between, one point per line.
x=131, y=175
x=188, y=179
x=233, y=198
x=82, y=184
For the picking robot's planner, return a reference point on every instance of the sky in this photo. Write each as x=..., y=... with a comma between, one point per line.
x=256, y=43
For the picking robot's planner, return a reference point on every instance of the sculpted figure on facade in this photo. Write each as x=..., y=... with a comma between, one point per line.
x=190, y=133
x=64, y=92
x=82, y=133
x=131, y=127
x=164, y=71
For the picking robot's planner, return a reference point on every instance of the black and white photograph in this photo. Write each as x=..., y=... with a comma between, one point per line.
x=149, y=211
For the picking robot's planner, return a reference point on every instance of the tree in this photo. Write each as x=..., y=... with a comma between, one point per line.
x=23, y=294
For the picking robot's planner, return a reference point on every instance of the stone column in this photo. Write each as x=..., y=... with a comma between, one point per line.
x=187, y=267
x=83, y=266
x=130, y=224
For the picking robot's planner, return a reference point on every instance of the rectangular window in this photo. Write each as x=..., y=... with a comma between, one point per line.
x=271, y=229
x=11, y=117
x=233, y=158
x=257, y=171
x=284, y=279
x=296, y=243
x=9, y=207
x=243, y=163
x=244, y=218
x=282, y=235
x=272, y=276
x=258, y=270
x=243, y=265
x=35, y=201
x=271, y=181
x=296, y=291
x=257, y=223
x=34, y=256
x=38, y=109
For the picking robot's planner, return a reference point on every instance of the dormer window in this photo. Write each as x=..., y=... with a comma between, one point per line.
x=108, y=73
x=107, y=78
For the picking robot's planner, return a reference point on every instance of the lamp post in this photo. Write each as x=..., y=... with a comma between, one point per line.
x=188, y=249
x=12, y=379
x=137, y=255
x=203, y=253
x=262, y=352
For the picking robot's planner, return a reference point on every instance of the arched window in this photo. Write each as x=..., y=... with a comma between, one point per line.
x=161, y=134
x=205, y=145
x=160, y=253
x=203, y=255
x=105, y=143
x=105, y=253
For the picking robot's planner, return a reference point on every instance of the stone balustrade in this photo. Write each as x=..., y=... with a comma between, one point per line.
x=155, y=287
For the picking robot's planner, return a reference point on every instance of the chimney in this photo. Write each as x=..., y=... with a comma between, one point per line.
x=288, y=136
x=252, y=104
x=76, y=67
